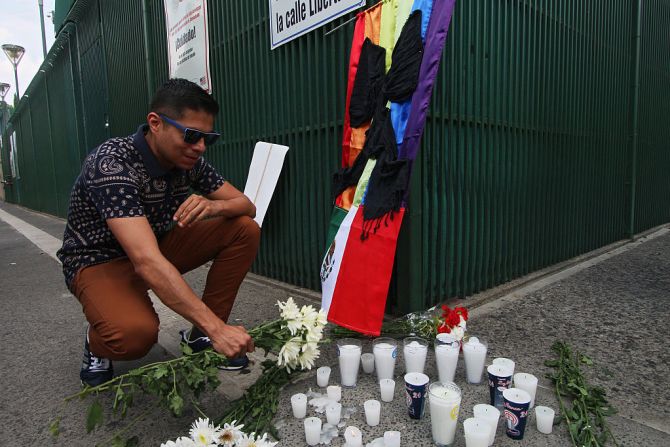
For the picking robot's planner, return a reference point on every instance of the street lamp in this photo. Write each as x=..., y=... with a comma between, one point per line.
x=4, y=88
x=14, y=53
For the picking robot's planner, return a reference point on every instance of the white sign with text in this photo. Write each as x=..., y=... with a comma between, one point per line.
x=293, y=18
x=188, y=41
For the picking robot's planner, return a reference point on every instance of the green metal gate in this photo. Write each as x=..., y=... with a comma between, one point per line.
x=548, y=133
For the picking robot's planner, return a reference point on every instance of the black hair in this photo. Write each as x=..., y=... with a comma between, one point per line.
x=177, y=95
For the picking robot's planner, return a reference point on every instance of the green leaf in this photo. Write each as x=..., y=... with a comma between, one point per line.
x=185, y=349
x=94, y=416
x=54, y=427
x=176, y=403
x=586, y=360
x=161, y=371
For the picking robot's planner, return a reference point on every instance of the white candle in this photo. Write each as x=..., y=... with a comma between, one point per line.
x=391, y=439
x=544, y=417
x=528, y=383
x=334, y=393
x=491, y=415
x=387, y=389
x=372, y=412
x=299, y=405
x=415, y=350
x=353, y=437
x=333, y=413
x=445, y=400
x=368, y=362
x=349, y=356
x=474, y=352
x=446, y=357
x=312, y=430
x=505, y=362
x=385, y=351
x=322, y=376
x=476, y=432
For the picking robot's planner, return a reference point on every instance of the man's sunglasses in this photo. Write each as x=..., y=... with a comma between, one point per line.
x=192, y=136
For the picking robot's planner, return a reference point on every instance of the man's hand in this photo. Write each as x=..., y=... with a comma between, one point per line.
x=195, y=208
x=231, y=341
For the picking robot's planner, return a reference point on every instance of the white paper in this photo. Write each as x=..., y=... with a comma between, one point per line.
x=188, y=41
x=264, y=171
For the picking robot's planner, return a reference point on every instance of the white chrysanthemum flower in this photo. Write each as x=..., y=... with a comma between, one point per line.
x=168, y=444
x=203, y=433
x=314, y=334
x=289, y=310
x=288, y=354
x=252, y=441
x=458, y=332
x=310, y=352
x=185, y=441
x=229, y=434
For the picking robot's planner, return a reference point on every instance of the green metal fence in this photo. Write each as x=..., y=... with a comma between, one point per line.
x=540, y=143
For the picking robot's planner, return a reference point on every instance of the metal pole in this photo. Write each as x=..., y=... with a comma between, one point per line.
x=16, y=79
x=636, y=111
x=44, y=38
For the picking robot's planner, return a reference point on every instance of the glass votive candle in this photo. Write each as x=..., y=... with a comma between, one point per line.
x=312, y=430
x=391, y=439
x=333, y=413
x=349, y=358
x=528, y=383
x=368, y=362
x=509, y=363
x=385, y=350
x=447, y=349
x=415, y=350
x=353, y=437
x=491, y=415
x=387, y=389
x=322, y=376
x=444, y=400
x=334, y=392
x=299, y=405
x=372, y=412
x=544, y=416
x=476, y=432
x=474, y=353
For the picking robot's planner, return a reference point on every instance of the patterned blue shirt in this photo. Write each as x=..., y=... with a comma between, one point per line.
x=122, y=178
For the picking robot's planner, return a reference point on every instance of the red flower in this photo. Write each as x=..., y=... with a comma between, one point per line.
x=443, y=329
x=453, y=319
x=462, y=311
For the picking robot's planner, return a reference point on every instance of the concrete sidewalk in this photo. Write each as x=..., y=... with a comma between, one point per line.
x=614, y=308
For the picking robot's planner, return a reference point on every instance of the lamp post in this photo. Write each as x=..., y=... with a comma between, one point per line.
x=4, y=89
x=14, y=53
x=40, y=3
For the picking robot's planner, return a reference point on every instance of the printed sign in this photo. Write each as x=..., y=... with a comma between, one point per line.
x=188, y=41
x=293, y=18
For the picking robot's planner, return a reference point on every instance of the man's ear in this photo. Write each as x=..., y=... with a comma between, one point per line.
x=154, y=121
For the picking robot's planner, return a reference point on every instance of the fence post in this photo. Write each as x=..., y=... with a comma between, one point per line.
x=637, y=45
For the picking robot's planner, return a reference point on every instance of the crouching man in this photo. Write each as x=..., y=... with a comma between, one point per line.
x=133, y=225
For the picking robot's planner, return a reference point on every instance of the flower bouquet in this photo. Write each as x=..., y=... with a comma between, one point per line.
x=204, y=433
x=295, y=336
x=426, y=324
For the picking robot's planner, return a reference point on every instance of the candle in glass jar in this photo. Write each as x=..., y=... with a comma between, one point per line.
x=545, y=419
x=528, y=383
x=312, y=430
x=509, y=363
x=415, y=350
x=491, y=415
x=391, y=439
x=334, y=392
x=368, y=362
x=387, y=389
x=349, y=357
x=353, y=437
x=372, y=412
x=299, y=405
x=385, y=352
x=333, y=413
x=474, y=352
x=444, y=401
x=476, y=432
x=322, y=376
x=447, y=349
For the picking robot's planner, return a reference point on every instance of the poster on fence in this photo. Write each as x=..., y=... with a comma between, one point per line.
x=293, y=18
x=188, y=41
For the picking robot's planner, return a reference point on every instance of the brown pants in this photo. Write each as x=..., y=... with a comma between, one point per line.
x=123, y=322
